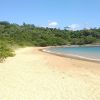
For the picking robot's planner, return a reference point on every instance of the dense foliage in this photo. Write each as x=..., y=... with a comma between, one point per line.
x=29, y=35
x=5, y=52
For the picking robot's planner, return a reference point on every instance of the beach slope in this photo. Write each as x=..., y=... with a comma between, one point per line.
x=36, y=75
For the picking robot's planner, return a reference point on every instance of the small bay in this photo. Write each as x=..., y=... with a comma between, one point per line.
x=89, y=52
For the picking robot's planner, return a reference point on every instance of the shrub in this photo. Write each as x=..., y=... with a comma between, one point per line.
x=5, y=52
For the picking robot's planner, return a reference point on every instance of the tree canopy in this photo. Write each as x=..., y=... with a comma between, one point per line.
x=29, y=34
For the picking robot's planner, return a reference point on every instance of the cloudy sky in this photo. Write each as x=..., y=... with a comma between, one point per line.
x=75, y=14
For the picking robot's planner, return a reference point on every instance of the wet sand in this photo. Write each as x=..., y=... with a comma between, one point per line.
x=36, y=75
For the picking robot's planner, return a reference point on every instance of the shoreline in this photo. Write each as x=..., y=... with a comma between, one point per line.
x=70, y=55
x=87, y=45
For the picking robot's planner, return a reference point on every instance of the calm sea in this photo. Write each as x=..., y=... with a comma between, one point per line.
x=87, y=52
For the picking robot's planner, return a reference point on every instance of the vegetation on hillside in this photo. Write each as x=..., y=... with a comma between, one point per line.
x=30, y=35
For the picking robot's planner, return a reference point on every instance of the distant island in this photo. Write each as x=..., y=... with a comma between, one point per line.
x=12, y=35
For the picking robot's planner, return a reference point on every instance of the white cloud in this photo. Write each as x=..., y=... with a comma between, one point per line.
x=52, y=24
x=73, y=27
x=87, y=26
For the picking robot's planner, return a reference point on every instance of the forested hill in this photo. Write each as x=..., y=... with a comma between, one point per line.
x=28, y=34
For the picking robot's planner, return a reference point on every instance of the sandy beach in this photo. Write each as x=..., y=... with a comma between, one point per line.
x=36, y=75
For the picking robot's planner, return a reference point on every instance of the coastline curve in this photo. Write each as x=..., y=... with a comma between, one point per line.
x=69, y=55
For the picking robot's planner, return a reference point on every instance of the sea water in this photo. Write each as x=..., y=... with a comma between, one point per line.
x=92, y=52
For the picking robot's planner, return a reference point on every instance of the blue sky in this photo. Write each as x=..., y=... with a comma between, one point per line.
x=52, y=13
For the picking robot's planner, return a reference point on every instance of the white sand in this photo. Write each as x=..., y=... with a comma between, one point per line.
x=35, y=75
